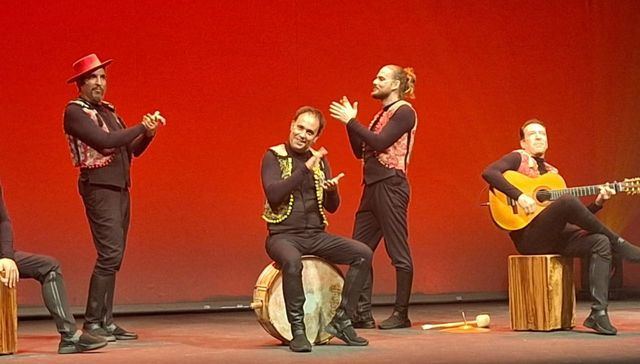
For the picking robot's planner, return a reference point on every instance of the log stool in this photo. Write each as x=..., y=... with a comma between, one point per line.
x=541, y=292
x=8, y=320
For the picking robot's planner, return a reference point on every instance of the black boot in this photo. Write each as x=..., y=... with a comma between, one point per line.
x=299, y=343
x=599, y=270
x=108, y=325
x=94, y=313
x=340, y=327
x=354, y=289
x=626, y=250
x=400, y=316
x=294, y=298
x=54, y=296
x=598, y=320
x=79, y=342
x=119, y=333
x=363, y=318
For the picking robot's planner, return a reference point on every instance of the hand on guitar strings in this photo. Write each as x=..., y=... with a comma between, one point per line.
x=527, y=203
x=606, y=192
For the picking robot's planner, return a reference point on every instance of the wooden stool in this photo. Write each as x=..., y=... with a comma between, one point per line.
x=541, y=292
x=8, y=320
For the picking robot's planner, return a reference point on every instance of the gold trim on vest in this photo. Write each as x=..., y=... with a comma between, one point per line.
x=283, y=211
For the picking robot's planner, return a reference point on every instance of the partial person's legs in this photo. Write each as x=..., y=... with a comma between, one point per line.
x=366, y=230
x=392, y=202
x=47, y=271
x=546, y=230
x=341, y=250
x=598, y=248
x=284, y=250
x=108, y=222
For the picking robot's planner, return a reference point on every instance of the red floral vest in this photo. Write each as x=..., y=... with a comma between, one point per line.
x=82, y=155
x=397, y=155
x=529, y=166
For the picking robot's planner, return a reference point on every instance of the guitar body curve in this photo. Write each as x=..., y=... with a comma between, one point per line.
x=506, y=213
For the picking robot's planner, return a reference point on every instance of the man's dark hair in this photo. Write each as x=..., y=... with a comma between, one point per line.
x=527, y=123
x=313, y=111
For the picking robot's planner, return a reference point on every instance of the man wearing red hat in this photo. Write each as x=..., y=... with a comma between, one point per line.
x=102, y=147
x=47, y=271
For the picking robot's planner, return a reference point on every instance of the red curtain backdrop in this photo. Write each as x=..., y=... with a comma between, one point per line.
x=229, y=75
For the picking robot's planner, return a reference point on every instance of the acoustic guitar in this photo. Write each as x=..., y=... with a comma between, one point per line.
x=508, y=215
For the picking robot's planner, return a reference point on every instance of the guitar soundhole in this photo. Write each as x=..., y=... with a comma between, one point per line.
x=543, y=195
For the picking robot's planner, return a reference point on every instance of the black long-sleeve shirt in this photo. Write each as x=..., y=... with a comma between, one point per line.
x=365, y=143
x=121, y=142
x=6, y=231
x=511, y=162
x=305, y=215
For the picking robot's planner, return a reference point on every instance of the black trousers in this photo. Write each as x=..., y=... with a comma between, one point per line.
x=383, y=214
x=568, y=228
x=47, y=271
x=108, y=212
x=287, y=249
x=35, y=266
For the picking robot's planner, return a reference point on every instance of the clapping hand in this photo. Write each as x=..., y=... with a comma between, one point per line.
x=152, y=121
x=343, y=110
x=316, y=156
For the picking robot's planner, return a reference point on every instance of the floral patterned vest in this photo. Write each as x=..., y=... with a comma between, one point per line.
x=82, y=155
x=529, y=166
x=397, y=155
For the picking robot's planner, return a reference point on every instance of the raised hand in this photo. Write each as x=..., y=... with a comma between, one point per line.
x=316, y=156
x=343, y=110
x=152, y=121
x=332, y=184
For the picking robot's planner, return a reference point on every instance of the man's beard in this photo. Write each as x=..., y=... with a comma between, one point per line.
x=378, y=95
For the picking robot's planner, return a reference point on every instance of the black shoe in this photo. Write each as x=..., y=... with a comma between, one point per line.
x=79, y=342
x=599, y=321
x=97, y=330
x=300, y=343
x=342, y=328
x=364, y=321
x=397, y=320
x=119, y=333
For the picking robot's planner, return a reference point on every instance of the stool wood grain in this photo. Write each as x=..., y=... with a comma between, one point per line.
x=8, y=320
x=541, y=292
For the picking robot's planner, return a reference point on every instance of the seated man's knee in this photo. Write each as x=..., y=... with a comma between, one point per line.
x=366, y=254
x=49, y=269
x=291, y=267
x=568, y=200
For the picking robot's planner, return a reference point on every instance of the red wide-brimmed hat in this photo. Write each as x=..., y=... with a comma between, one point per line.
x=87, y=64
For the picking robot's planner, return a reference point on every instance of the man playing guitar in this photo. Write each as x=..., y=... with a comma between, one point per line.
x=565, y=226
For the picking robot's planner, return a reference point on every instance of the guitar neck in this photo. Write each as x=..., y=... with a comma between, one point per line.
x=583, y=191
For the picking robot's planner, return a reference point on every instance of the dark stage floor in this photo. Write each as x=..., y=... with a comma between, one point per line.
x=236, y=337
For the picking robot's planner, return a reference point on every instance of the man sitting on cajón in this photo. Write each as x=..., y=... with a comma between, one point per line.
x=565, y=226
